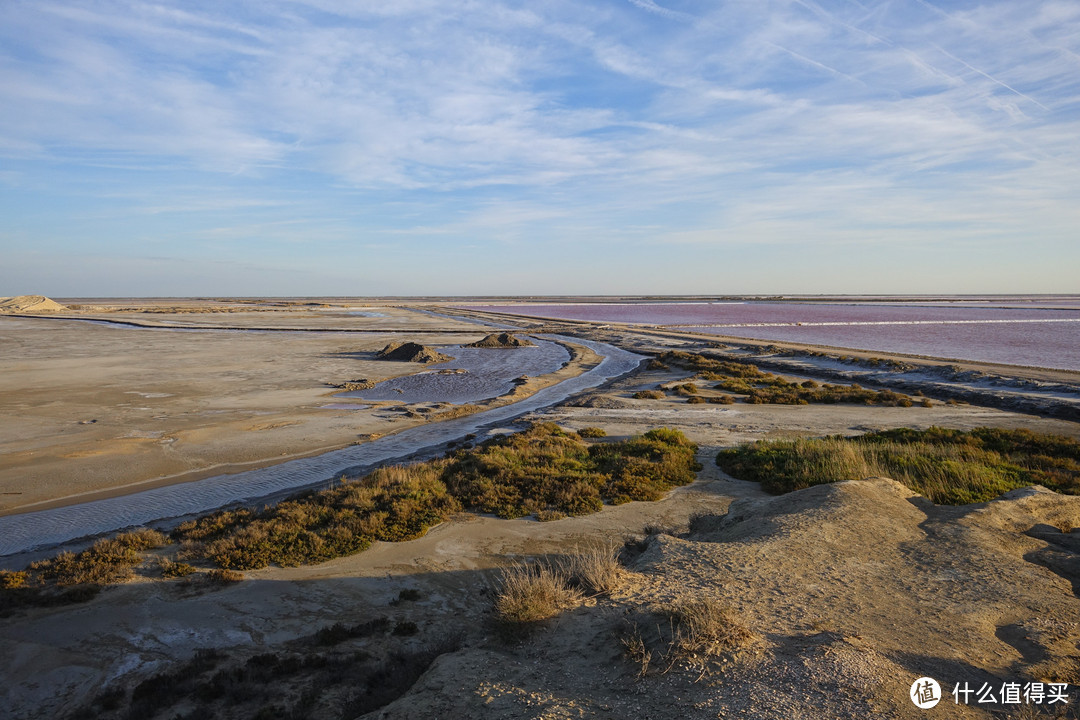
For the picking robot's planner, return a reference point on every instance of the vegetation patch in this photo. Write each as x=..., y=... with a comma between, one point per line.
x=76, y=577
x=759, y=387
x=950, y=467
x=546, y=469
x=391, y=504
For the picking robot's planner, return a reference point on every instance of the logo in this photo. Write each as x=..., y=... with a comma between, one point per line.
x=925, y=693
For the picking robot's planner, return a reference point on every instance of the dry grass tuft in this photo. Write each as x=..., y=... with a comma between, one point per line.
x=595, y=569
x=707, y=627
x=688, y=635
x=637, y=650
x=532, y=592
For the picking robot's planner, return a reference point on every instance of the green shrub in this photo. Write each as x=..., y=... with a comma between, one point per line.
x=760, y=387
x=106, y=562
x=591, y=432
x=951, y=467
x=391, y=504
x=545, y=470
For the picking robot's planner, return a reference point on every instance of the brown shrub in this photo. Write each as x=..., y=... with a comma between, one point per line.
x=224, y=577
x=12, y=579
x=648, y=395
x=171, y=569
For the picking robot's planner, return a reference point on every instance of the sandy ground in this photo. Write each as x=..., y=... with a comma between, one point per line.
x=850, y=591
x=89, y=409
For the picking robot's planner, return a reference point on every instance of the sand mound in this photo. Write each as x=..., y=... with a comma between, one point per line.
x=854, y=590
x=411, y=352
x=30, y=304
x=501, y=340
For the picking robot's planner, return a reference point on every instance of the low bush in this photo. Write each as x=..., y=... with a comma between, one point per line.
x=406, y=595
x=649, y=395
x=172, y=569
x=546, y=469
x=106, y=562
x=950, y=467
x=590, y=433
x=707, y=627
x=760, y=387
x=392, y=504
x=12, y=579
x=224, y=577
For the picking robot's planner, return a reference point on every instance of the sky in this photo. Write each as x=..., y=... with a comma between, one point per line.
x=443, y=147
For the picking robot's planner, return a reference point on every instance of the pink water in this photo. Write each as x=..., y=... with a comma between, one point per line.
x=1044, y=333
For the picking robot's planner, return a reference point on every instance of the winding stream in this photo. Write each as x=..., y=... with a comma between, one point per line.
x=45, y=528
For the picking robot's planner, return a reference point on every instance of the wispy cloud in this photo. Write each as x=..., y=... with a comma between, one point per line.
x=482, y=121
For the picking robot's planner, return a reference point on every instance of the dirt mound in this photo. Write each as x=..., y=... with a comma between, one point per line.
x=605, y=402
x=411, y=352
x=501, y=340
x=30, y=304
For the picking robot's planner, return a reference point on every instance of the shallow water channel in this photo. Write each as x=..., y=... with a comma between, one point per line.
x=473, y=375
x=46, y=528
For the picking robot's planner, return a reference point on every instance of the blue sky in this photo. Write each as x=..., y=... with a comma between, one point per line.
x=314, y=147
